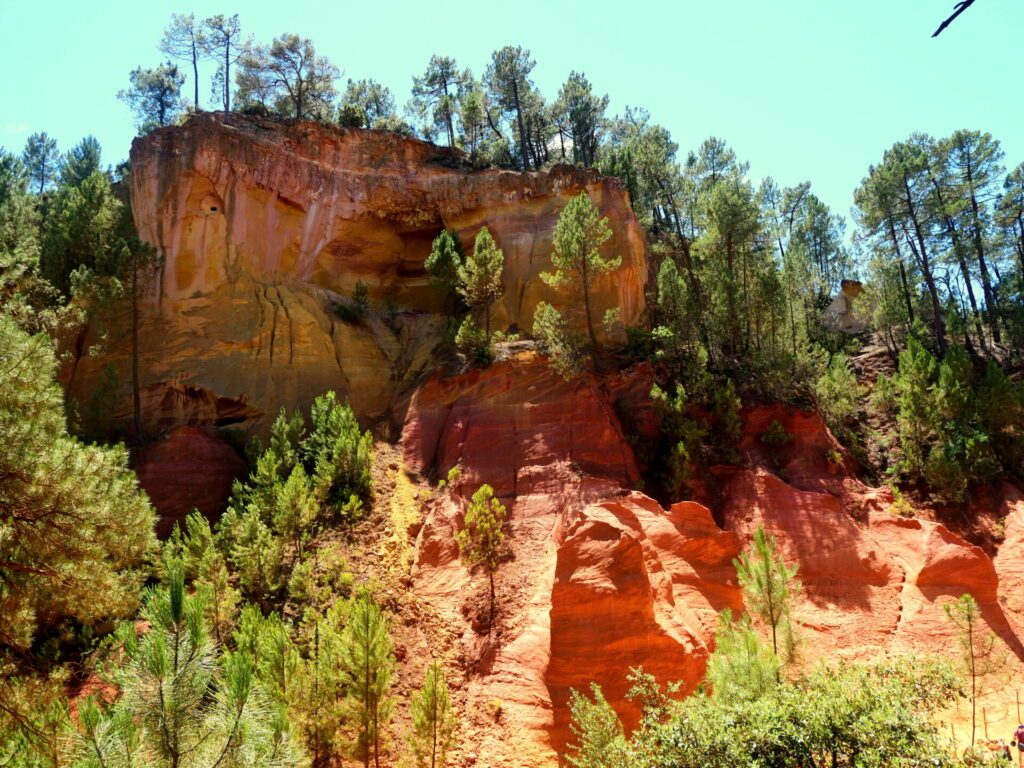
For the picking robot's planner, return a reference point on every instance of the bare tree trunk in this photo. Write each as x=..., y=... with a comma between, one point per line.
x=938, y=325
x=195, y=69
x=136, y=389
x=522, y=133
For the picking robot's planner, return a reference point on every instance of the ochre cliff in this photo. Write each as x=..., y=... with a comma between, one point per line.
x=229, y=195
x=602, y=578
x=263, y=226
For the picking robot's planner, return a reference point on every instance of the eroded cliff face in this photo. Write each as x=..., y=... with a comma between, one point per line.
x=264, y=226
x=601, y=578
x=226, y=195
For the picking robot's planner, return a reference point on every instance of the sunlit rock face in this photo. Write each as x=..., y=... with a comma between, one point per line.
x=226, y=195
x=263, y=226
x=602, y=578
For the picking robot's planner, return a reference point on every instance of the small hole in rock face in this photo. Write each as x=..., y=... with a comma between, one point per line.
x=213, y=209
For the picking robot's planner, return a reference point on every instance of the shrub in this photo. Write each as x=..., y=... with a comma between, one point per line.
x=776, y=435
x=563, y=346
x=837, y=394
x=354, y=311
x=338, y=455
x=472, y=341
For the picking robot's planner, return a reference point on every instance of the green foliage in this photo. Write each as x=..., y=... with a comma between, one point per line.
x=81, y=162
x=366, y=104
x=681, y=449
x=338, y=455
x=354, y=311
x=776, y=435
x=743, y=667
x=725, y=408
x=42, y=161
x=74, y=529
x=443, y=264
x=563, y=345
x=600, y=737
x=367, y=667
x=182, y=703
x=579, y=114
x=154, y=96
x=473, y=342
x=838, y=395
x=207, y=568
x=479, y=276
x=433, y=720
x=950, y=435
x=437, y=97
x=86, y=226
x=482, y=537
x=316, y=690
x=849, y=716
x=509, y=87
x=769, y=590
x=578, y=237
x=300, y=482
x=287, y=78
x=982, y=656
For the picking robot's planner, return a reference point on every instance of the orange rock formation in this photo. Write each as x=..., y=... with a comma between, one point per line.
x=263, y=225
x=603, y=578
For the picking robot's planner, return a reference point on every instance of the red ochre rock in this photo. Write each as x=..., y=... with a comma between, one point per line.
x=187, y=469
x=601, y=578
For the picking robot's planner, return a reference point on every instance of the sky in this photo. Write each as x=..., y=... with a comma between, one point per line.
x=801, y=89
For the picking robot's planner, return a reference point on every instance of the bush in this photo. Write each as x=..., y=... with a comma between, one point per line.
x=337, y=455
x=354, y=312
x=776, y=435
x=726, y=410
x=837, y=394
x=682, y=440
x=563, y=346
x=471, y=340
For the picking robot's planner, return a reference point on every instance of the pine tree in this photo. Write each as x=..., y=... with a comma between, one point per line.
x=509, y=85
x=81, y=162
x=563, y=345
x=318, y=691
x=154, y=95
x=367, y=668
x=579, y=115
x=74, y=528
x=742, y=667
x=338, y=455
x=981, y=655
x=482, y=538
x=291, y=76
x=769, y=589
x=578, y=237
x=437, y=95
x=480, y=276
x=443, y=264
x=181, y=704
x=367, y=104
x=433, y=720
x=221, y=35
x=185, y=40
x=42, y=159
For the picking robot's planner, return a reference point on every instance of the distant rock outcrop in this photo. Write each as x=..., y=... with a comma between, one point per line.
x=840, y=314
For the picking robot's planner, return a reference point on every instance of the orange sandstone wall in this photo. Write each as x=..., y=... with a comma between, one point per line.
x=228, y=194
x=602, y=578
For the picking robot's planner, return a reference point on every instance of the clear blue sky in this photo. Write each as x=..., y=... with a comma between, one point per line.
x=802, y=89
